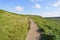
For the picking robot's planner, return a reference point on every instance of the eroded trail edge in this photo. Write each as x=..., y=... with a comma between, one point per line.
x=33, y=33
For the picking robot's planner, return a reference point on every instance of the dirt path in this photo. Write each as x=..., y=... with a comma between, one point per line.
x=33, y=33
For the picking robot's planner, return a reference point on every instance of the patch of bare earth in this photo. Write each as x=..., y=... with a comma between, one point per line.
x=33, y=34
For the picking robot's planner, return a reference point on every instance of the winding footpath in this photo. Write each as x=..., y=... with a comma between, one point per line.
x=33, y=34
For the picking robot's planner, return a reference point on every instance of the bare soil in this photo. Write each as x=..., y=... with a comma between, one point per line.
x=33, y=33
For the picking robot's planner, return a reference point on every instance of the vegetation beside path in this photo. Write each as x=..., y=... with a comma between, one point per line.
x=13, y=26
x=50, y=30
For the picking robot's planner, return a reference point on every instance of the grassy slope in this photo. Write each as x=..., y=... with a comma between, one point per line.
x=49, y=29
x=13, y=26
x=56, y=19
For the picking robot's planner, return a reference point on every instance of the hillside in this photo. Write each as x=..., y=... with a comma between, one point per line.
x=49, y=29
x=56, y=19
x=15, y=27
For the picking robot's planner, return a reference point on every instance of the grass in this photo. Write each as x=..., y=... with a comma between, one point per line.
x=50, y=30
x=56, y=19
x=13, y=26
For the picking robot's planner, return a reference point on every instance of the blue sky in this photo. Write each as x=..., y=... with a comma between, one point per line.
x=45, y=8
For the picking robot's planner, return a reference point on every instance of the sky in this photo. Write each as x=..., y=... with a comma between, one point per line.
x=44, y=8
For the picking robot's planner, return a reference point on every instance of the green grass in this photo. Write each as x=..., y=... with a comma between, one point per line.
x=13, y=26
x=50, y=30
x=56, y=19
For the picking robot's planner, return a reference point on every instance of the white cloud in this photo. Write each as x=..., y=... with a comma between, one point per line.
x=19, y=8
x=37, y=6
x=57, y=4
x=36, y=0
x=46, y=14
x=50, y=14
